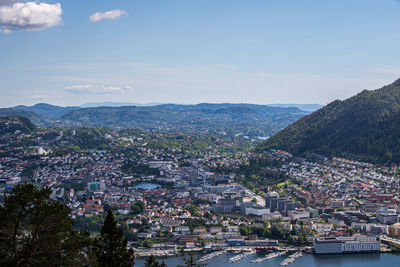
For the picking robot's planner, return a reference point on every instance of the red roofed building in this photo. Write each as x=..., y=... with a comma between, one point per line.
x=95, y=208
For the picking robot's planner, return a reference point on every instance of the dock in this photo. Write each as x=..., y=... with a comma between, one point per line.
x=270, y=256
x=242, y=256
x=211, y=256
x=292, y=258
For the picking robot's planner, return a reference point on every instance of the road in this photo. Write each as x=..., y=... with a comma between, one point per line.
x=260, y=199
x=390, y=240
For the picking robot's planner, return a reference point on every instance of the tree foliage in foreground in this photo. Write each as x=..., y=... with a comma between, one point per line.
x=35, y=231
x=190, y=261
x=152, y=262
x=111, y=247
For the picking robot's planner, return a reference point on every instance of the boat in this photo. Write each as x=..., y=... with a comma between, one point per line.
x=292, y=258
x=211, y=255
x=270, y=256
x=242, y=256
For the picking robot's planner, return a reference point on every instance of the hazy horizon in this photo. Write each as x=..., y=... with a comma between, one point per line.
x=95, y=104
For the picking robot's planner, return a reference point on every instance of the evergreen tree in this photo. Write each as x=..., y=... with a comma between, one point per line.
x=152, y=262
x=111, y=248
x=191, y=262
x=35, y=231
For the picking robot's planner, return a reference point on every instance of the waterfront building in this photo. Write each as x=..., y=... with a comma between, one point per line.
x=261, y=242
x=235, y=241
x=338, y=245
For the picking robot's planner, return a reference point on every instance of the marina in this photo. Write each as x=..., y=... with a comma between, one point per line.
x=211, y=256
x=270, y=256
x=242, y=256
x=158, y=253
x=292, y=258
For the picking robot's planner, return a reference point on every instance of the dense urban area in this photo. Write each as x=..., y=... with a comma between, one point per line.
x=174, y=193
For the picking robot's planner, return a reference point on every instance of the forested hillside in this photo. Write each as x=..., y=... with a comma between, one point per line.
x=365, y=126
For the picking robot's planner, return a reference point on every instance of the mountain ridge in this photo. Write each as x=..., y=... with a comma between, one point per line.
x=365, y=126
x=46, y=110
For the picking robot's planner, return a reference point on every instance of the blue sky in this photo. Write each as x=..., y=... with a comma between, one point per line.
x=193, y=51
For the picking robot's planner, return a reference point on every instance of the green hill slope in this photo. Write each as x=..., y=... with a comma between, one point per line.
x=246, y=119
x=365, y=126
x=9, y=124
x=33, y=117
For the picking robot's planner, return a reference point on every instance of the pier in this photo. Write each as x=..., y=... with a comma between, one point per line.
x=270, y=256
x=292, y=258
x=242, y=256
x=211, y=256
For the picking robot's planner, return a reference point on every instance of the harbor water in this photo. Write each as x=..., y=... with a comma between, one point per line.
x=307, y=260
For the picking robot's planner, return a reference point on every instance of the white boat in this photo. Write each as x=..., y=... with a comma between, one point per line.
x=292, y=258
x=211, y=255
x=242, y=256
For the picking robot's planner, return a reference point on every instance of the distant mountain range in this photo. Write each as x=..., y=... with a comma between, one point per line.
x=304, y=107
x=115, y=104
x=245, y=119
x=47, y=110
x=365, y=126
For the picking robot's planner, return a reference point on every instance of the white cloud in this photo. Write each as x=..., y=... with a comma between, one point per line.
x=39, y=97
x=111, y=14
x=73, y=87
x=29, y=16
x=97, y=89
x=128, y=88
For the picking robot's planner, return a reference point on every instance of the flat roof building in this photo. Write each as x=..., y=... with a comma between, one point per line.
x=355, y=244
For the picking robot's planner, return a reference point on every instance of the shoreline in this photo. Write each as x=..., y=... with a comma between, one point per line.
x=307, y=250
